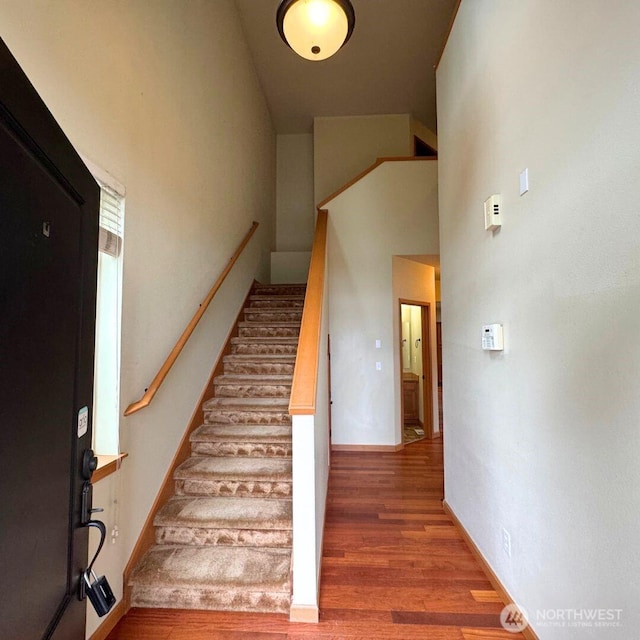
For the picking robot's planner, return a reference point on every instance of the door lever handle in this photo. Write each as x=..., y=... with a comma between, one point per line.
x=86, y=508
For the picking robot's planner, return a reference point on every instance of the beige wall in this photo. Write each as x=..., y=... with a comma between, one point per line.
x=391, y=211
x=163, y=95
x=345, y=146
x=542, y=439
x=295, y=210
x=294, y=193
x=290, y=266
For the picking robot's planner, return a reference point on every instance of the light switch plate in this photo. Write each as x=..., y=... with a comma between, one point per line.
x=524, y=181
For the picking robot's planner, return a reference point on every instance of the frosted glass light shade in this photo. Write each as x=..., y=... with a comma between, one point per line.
x=315, y=29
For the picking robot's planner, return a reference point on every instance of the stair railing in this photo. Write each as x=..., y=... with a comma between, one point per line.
x=305, y=375
x=156, y=383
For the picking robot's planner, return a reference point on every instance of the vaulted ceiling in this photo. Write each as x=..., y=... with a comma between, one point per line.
x=386, y=67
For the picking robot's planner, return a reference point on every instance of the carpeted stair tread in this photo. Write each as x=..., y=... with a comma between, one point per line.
x=238, y=416
x=248, y=378
x=253, y=440
x=247, y=404
x=224, y=512
x=259, y=364
x=265, y=340
x=276, y=297
x=270, y=323
x=264, y=346
x=268, y=329
x=201, y=567
x=247, y=433
x=276, y=302
x=253, y=386
x=220, y=578
x=207, y=468
x=271, y=314
x=260, y=357
x=279, y=289
x=245, y=440
x=276, y=305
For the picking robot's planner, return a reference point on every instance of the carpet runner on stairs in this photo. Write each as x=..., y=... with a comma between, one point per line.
x=223, y=541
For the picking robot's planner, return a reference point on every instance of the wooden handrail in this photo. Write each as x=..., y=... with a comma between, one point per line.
x=175, y=352
x=305, y=374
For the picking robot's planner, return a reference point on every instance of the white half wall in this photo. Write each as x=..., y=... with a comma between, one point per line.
x=542, y=439
x=392, y=211
x=163, y=96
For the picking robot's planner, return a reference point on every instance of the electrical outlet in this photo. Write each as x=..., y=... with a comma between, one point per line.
x=506, y=542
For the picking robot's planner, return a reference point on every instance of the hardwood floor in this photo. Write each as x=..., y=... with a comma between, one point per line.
x=394, y=566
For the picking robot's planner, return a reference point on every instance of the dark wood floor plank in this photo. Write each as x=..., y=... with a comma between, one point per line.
x=394, y=566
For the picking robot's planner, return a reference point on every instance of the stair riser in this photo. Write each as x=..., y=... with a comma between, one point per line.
x=209, y=600
x=253, y=391
x=280, y=290
x=243, y=348
x=273, y=303
x=231, y=416
x=236, y=488
x=241, y=449
x=267, y=316
x=224, y=537
x=269, y=332
x=259, y=368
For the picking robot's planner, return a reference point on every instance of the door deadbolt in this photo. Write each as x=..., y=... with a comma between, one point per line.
x=89, y=464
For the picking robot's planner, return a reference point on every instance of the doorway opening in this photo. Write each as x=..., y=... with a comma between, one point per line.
x=416, y=367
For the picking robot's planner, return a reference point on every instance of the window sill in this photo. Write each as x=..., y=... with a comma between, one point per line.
x=106, y=466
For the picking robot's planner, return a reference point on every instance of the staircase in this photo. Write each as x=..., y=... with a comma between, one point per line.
x=223, y=541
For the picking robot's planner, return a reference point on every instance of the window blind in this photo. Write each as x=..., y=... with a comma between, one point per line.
x=111, y=221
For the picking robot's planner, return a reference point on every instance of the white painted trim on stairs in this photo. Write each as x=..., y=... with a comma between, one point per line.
x=305, y=565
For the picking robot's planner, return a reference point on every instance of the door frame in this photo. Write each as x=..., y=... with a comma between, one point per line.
x=427, y=375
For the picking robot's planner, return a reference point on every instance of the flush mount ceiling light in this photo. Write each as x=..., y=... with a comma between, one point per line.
x=315, y=29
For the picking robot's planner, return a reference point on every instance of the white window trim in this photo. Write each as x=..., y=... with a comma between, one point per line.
x=106, y=180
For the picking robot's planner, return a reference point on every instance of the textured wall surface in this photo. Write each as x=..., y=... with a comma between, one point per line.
x=542, y=438
x=392, y=211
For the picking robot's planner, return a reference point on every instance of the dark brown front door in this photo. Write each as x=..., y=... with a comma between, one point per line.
x=48, y=257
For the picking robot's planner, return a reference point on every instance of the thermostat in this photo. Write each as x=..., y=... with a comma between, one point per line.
x=493, y=212
x=492, y=337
